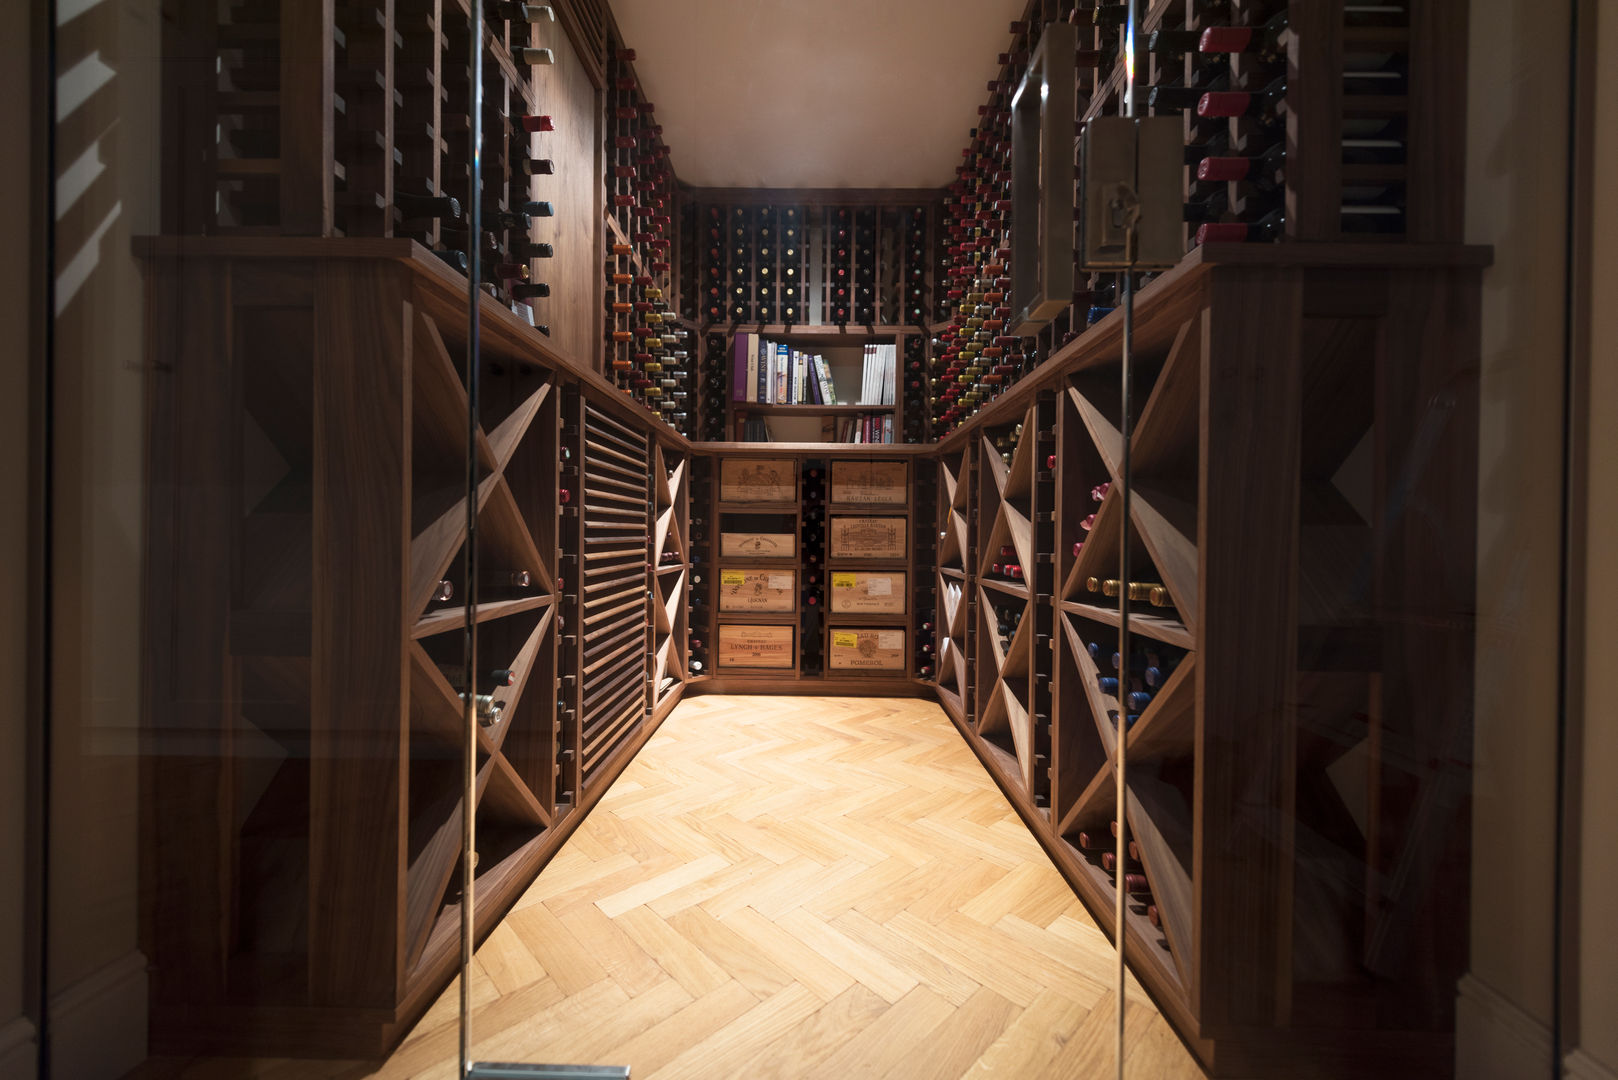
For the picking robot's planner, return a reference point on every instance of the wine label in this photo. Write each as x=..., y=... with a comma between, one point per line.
x=867, y=650
x=868, y=592
x=757, y=590
x=757, y=545
x=870, y=483
x=755, y=646
x=868, y=538
x=744, y=480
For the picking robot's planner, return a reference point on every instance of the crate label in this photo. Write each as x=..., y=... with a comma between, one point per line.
x=868, y=538
x=758, y=545
x=879, y=586
x=755, y=646
x=867, y=650
x=869, y=483
x=844, y=581
x=758, y=480
x=755, y=590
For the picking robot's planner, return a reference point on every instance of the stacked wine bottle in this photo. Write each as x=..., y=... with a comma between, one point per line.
x=647, y=349
x=812, y=552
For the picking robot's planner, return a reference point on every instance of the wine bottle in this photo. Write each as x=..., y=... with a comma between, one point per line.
x=427, y=207
x=1270, y=227
x=1262, y=105
x=527, y=249
x=534, y=57
x=1264, y=39
x=1263, y=170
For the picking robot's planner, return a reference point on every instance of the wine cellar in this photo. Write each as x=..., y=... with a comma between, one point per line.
x=1305, y=422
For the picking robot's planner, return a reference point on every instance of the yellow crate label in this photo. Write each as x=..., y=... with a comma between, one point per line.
x=843, y=581
x=732, y=577
x=843, y=640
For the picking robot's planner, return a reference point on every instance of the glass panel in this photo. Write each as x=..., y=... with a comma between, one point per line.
x=308, y=547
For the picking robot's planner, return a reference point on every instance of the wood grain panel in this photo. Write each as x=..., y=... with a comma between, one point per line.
x=359, y=680
x=1246, y=603
x=575, y=189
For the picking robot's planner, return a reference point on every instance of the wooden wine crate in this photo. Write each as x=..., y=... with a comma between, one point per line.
x=758, y=480
x=866, y=649
x=742, y=646
x=743, y=591
x=868, y=538
x=870, y=483
x=748, y=545
x=868, y=592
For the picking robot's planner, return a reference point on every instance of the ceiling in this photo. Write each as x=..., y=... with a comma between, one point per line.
x=816, y=93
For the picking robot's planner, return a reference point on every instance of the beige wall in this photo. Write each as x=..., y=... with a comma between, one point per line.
x=15, y=274
x=107, y=193
x=1516, y=200
x=1598, y=946
x=1516, y=160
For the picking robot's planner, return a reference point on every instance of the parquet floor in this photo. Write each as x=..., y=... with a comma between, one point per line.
x=803, y=888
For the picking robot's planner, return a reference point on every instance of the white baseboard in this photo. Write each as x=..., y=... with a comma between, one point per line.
x=18, y=1054
x=1581, y=1066
x=98, y=1025
x=1495, y=1039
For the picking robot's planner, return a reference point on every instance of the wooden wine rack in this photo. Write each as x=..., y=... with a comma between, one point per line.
x=1328, y=189
x=308, y=444
x=1310, y=520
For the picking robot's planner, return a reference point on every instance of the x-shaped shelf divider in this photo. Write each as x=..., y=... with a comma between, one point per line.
x=432, y=551
x=1166, y=729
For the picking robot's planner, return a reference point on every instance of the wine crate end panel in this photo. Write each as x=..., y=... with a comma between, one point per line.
x=868, y=592
x=744, y=647
x=864, y=649
x=869, y=538
x=870, y=483
x=735, y=545
x=756, y=590
x=758, y=480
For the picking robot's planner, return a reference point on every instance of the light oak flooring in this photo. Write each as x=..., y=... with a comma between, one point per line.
x=803, y=888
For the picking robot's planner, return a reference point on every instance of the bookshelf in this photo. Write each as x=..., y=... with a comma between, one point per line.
x=844, y=355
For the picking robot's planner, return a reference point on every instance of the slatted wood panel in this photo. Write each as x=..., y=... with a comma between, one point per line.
x=811, y=888
x=615, y=617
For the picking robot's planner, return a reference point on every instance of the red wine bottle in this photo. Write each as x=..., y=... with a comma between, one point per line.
x=1263, y=104
x=1269, y=227
x=1263, y=169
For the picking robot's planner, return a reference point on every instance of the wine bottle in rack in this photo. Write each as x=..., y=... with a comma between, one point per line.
x=413, y=207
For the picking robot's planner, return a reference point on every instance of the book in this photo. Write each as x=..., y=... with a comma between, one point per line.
x=749, y=347
x=738, y=368
x=761, y=369
x=783, y=356
x=801, y=370
x=828, y=387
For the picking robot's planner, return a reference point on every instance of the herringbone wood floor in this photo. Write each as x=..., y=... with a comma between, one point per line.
x=805, y=888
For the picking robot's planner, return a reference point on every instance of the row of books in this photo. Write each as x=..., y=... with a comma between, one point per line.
x=765, y=372
x=868, y=428
x=768, y=372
